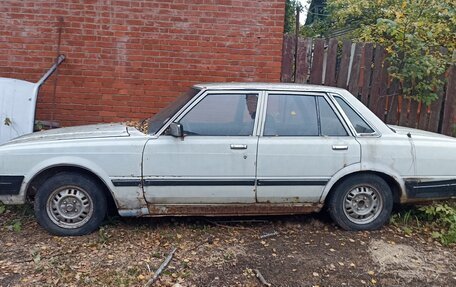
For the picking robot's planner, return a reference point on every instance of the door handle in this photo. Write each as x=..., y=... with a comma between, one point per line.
x=238, y=146
x=340, y=147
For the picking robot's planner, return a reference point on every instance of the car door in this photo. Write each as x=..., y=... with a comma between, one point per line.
x=303, y=144
x=215, y=160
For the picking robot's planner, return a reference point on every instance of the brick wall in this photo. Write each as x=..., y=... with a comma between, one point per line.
x=126, y=59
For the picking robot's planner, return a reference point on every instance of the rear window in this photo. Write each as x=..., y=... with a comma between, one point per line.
x=358, y=123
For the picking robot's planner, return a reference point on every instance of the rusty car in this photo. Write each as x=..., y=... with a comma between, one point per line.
x=231, y=149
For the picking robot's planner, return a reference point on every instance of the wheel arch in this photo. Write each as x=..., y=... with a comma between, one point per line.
x=39, y=178
x=396, y=185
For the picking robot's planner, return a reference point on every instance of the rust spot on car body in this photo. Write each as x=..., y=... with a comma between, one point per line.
x=232, y=209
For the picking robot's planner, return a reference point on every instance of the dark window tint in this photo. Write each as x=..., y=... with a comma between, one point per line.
x=291, y=115
x=157, y=121
x=222, y=115
x=358, y=123
x=329, y=122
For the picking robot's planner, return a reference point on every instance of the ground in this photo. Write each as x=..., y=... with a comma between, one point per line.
x=307, y=250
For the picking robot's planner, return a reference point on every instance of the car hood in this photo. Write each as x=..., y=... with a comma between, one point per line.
x=419, y=133
x=77, y=132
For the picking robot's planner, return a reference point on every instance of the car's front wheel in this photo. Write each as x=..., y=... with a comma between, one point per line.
x=361, y=202
x=69, y=204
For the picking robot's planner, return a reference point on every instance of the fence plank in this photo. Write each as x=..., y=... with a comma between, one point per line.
x=288, y=58
x=331, y=61
x=394, y=103
x=366, y=72
x=316, y=73
x=342, y=75
x=435, y=114
x=302, y=61
x=374, y=99
x=449, y=112
x=414, y=115
x=368, y=79
x=384, y=87
x=353, y=86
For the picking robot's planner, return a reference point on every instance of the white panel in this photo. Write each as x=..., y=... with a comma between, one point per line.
x=200, y=194
x=290, y=193
x=17, y=108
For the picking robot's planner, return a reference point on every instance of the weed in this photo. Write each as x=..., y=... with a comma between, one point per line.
x=437, y=220
x=133, y=271
x=444, y=216
x=103, y=236
x=2, y=208
x=14, y=225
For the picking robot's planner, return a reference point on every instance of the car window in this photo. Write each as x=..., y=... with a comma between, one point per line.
x=329, y=122
x=157, y=121
x=222, y=115
x=358, y=123
x=291, y=115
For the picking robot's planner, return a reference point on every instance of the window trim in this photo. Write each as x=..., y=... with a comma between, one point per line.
x=325, y=96
x=189, y=106
x=376, y=133
x=336, y=113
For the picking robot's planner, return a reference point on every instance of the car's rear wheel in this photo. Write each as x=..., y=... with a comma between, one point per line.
x=361, y=202
x=70, y=204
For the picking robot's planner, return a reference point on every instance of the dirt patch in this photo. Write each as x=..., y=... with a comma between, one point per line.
x=409, y=263
x=287, y=250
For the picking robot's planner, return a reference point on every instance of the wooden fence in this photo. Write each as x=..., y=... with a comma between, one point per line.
x=361, y=68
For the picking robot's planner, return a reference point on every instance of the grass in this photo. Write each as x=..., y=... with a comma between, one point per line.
x=437, y=220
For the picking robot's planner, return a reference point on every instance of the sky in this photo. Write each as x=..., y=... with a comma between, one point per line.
x=303, y=15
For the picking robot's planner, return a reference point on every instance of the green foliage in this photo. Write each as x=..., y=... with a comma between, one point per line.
x=444, y=216
x=15, y=225
x=414, y=34
x=437, y=220
x=38, y=126
x=24, y=212
x=318, y=29
x=290, y=15
x=103, y=236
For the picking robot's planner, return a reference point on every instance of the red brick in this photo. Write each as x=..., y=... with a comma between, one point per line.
x=130, y=58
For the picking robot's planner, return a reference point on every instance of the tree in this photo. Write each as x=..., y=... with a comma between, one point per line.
x=419, y=36
x=290, y=15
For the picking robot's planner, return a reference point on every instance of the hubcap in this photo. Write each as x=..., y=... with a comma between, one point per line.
x=69, y=207
x=363, y=204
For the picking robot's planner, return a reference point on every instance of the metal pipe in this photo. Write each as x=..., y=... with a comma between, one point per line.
x=58, y=61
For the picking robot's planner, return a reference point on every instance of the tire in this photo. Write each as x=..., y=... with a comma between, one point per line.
x=361, y=202
x=70, y=204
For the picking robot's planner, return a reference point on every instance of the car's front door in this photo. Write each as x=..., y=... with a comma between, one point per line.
x=215, y=160
x=303, y=144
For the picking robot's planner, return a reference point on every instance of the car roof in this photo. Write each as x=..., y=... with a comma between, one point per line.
x=267, y=86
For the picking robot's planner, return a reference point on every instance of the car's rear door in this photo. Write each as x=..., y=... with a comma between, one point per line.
x=303, y=144
x=214, y=162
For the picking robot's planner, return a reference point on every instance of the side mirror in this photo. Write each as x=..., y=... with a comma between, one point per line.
x=176, y=130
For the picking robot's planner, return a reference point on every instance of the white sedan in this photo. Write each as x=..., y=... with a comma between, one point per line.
x=231, y=149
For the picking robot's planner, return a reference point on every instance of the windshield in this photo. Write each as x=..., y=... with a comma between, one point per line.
x=159, y=119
